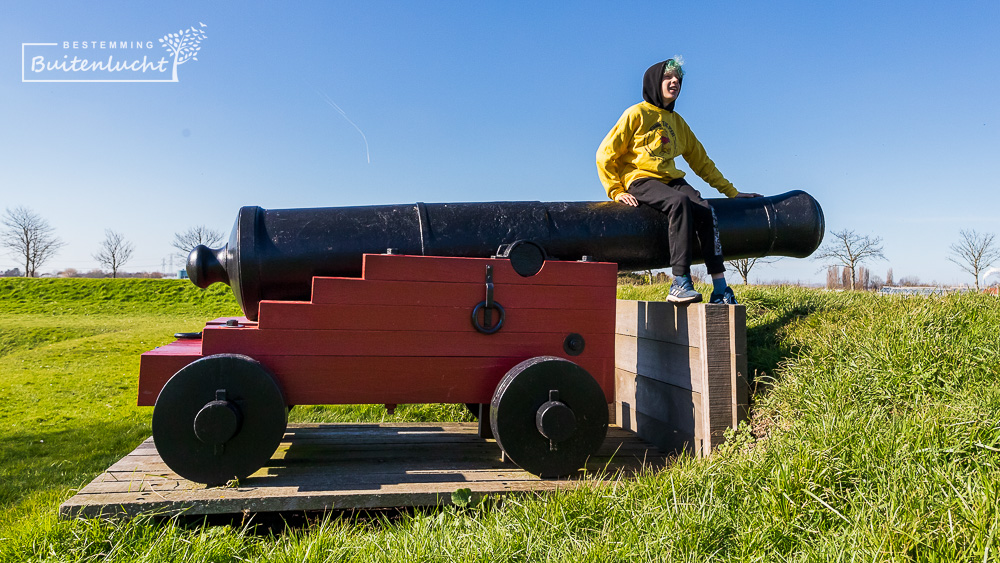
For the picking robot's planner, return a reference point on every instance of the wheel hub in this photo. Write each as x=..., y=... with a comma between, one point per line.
x=555, y=420
x=218, y=421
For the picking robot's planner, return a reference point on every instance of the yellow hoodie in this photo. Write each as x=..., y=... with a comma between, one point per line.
x=644, y=143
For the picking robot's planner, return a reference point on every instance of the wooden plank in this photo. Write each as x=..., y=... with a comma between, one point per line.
x=303, y=315
x=404, y=380
x=718, y=359
x=224, y=320
x=671, y=407
x=362, y=460
x=156, y=369
x=741, y=405
x=442, y=294
x=291, y=342
x=331, y=462
x=443, y=269
x=738, y=325
x=665, y=361
x=659, y=433
x=236, y=501
x=345, y=480
x=179, y=347
x=313, y=483
x=660, y=320
x=435, y=379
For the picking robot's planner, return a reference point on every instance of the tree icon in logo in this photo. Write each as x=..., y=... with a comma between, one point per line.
x=184, y=45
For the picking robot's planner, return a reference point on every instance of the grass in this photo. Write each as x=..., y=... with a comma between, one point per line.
x=875, y=436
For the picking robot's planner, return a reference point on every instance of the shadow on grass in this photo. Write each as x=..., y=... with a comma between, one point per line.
x=767, y=343
x=54, y=458
x=269, y=524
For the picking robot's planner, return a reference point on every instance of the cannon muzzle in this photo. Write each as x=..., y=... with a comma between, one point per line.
x=274, y=254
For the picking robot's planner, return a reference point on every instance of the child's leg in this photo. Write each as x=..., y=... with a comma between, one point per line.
x=706, y=228
x=676, y=205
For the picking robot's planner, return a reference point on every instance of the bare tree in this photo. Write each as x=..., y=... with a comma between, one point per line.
x=833, y=277
x=864, y=278
x=851, y=249
x=744, y=265
x=29, y=238
x=114, y=252
x=186, y=241
x=975, y=252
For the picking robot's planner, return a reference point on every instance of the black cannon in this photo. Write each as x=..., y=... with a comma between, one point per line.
x=274, y=254
x=507, y=306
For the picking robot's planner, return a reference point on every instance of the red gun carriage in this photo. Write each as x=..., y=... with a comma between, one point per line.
x=412, y=329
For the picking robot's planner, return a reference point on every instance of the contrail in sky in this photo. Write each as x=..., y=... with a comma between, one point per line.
x=336, y=107
x=990, y=272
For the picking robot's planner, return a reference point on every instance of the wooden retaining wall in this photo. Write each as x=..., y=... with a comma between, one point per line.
x=680, y=372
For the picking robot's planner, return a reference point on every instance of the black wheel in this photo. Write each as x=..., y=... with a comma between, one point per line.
x=219, y=418
x=549, y=415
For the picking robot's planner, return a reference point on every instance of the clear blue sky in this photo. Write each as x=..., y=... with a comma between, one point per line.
x=886, y=112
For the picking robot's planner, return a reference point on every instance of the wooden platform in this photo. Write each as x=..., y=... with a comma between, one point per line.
x=349, y=466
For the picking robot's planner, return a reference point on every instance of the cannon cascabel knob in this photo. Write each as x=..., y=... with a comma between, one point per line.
x=206, y=266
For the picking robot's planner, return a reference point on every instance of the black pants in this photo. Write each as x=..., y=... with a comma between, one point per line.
x=688, y=216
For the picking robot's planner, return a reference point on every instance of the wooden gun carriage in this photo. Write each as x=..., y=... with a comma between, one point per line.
x=509, y=307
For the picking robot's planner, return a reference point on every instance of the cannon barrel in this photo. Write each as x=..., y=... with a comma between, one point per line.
x=274, y=253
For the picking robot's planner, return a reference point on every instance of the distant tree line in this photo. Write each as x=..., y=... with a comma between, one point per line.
x=31, y=240
x=97, y=273
x=974, y=253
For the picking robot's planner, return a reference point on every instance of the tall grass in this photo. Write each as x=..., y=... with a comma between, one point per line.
x=875, y=436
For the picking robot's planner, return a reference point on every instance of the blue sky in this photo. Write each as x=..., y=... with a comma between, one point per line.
x=886, y=112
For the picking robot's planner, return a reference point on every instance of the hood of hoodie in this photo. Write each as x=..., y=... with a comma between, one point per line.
x=652, y=86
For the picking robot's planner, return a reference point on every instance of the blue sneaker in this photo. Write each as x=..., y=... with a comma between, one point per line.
x=725, y=298
x=682, y=291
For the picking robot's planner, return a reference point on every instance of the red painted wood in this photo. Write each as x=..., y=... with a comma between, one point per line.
x=254, y=342
x=158, y=366
x=438, y=269
x=441, y=294
x=319, y=380
x=404, y=380
x=303, y=315
x=223, y=320
x=180, y=347
x=404, y=335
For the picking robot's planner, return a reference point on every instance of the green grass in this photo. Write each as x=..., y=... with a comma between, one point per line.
x=875, y=436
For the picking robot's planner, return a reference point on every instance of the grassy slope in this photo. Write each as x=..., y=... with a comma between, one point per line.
x=69, y=354
x=876, y=436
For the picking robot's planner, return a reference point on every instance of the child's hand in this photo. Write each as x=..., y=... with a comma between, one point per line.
x=750, y=194
x=628, y=199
